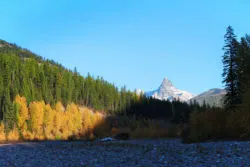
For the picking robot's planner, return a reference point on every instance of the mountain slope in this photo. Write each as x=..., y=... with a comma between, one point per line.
x=27, y=74
x=212, y=97
x=167, y=91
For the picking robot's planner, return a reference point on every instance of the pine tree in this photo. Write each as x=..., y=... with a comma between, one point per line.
x=230, y=69
x=9, y=113
x=242, y=67
x=244, y=71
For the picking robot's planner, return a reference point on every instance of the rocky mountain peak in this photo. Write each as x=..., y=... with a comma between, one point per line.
x=166, y=83
x=167, y=91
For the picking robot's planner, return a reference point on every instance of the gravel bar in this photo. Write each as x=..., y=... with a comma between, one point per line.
x=131, y=153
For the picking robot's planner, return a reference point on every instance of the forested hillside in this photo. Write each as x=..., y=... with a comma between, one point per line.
x=35, y=78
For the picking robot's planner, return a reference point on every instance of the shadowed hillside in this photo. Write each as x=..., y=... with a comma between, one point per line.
x=212, y=97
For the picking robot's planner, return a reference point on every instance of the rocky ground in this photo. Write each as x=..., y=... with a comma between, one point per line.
x=125, y=153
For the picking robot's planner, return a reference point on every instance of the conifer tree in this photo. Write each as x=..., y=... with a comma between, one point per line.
x=230, y=69
x=242, y=67
x=244, y=72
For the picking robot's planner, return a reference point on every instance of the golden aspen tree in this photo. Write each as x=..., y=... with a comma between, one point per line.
x=23, y=113
x=37, y=116
x=49, y=117
x=87, y=121
x=75, y=117
x=98, y=118
x=59, y=120
x=60, y=131
x=69, y=122
x=59, y=107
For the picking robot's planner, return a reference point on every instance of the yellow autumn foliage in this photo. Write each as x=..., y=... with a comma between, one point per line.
x=59, y=122
x=87, y=120
x=49, y=122
x=74, y=118
x=37, y=118
x=27, y=135
x=2, y=134
x=59, y=107
x=23, y=113
x=40, y=121
x=13, y=135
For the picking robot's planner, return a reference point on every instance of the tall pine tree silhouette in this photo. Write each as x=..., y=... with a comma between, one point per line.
x=230, y=78
x=244, y=71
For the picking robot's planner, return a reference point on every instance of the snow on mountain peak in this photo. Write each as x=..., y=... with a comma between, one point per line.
x=166, y=83
x=167, y=91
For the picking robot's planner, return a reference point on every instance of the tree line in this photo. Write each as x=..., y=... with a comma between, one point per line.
x=174, y=111
x=236, y=71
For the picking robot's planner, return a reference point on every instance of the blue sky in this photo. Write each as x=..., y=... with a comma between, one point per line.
x=130, y=42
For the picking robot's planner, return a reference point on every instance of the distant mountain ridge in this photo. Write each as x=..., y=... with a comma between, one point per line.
x=212, y=97
x=167, y=91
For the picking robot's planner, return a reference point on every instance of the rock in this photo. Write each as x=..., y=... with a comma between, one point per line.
x=107, y=139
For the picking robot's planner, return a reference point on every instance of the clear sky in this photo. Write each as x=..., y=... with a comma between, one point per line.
x=130, y=42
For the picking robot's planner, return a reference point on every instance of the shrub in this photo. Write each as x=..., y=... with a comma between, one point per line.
x=2, y=134
x=13, y=135
x=238, y=124
x=103, y=129
x=151, y=131
x=146, y=128
x=217, y=125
